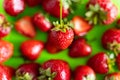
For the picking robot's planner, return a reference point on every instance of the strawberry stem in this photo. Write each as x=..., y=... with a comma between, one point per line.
x=61, y=12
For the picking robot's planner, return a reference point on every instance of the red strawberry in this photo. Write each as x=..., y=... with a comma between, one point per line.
x=113, y=76
x=51, y=48
x=27, y=71
x=14, y=7
x=61, y=40
x=11, y=70
x=55, y=70
x=80, y=26
x=101, y=11
x=5, y=26
x=100, y=63
x=33, y=3
x=4, y=73
x=31, y=49
x=118, y=61
x=80, y=48
x=25, y=27
x=53, y=7
x=84, y=73
x=6, y=50
x=41, y=22
x=111, y=40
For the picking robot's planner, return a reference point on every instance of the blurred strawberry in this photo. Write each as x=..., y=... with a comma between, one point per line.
x=33, y=3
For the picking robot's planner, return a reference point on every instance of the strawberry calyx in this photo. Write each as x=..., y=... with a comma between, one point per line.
x=46, y=74
x=114, y=46
x=95, y=14
x=23, y=76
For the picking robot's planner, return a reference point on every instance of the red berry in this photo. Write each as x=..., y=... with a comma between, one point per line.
x=25, y=27
x=27, y=71
x=32, y=49
x=80, y=48
x=84, y=73
x=4, y=73
x=58, y=69
x=6, y=50
x=111, y=39
x=113, y=76
x=99, y=63
x=33, y=3
x=41, y=22
x=5, y=26
x=14, y=7
x=118, y=61
x=53, y=7
x=80, y=26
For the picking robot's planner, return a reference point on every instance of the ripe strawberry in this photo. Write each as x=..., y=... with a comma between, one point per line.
x=101, y=63
x=53, y=7
x=5, y=26
x=25, y=27
x=27, y=71
x=55, y=70
x=14, y=7
x=33, y=3
x=41, y=22
x=101, y=11
x=80, y=26
x=118, y=61
x=4, y=73
x=11, y=70
x=84, y=73
x=111, y=40
x=113, y=76
x=31, y=49
x=80, y=48
x=6, y=50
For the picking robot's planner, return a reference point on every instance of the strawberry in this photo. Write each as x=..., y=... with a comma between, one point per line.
x=55, y=70
x=5, y=26
x=80, y=48
x=27, y=71
x=110, y=40
x=11, y=70
x=101, y=62
x=101, y=11
x=53, y=7
x=84, y=73
x=4, y=73
x=14, y=7
x=118, y=61
x=33, y=3
x=6, y=50
x=25, y=27
x=113, y=76
x=42, y=22
x=31, y=49
x=80, y=26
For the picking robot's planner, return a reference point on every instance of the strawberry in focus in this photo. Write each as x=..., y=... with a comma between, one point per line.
x=101, y=63
x=25, y=27
x=14, y=7
x=101, y=12
x=80, y=26
x=80, y=48
x=53, y=7
x=31, y=49
x=6, y=50
x=27, y=71
x=33, y=3
x=113, y=76
x=42, y=22
x=84, y=73
x=4, y=73
x=55, y=70
x=5, y=26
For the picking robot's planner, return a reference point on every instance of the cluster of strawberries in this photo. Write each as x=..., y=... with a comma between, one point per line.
x=60, y=37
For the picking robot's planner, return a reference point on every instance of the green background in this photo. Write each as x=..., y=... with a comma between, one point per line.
x=94, y=38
